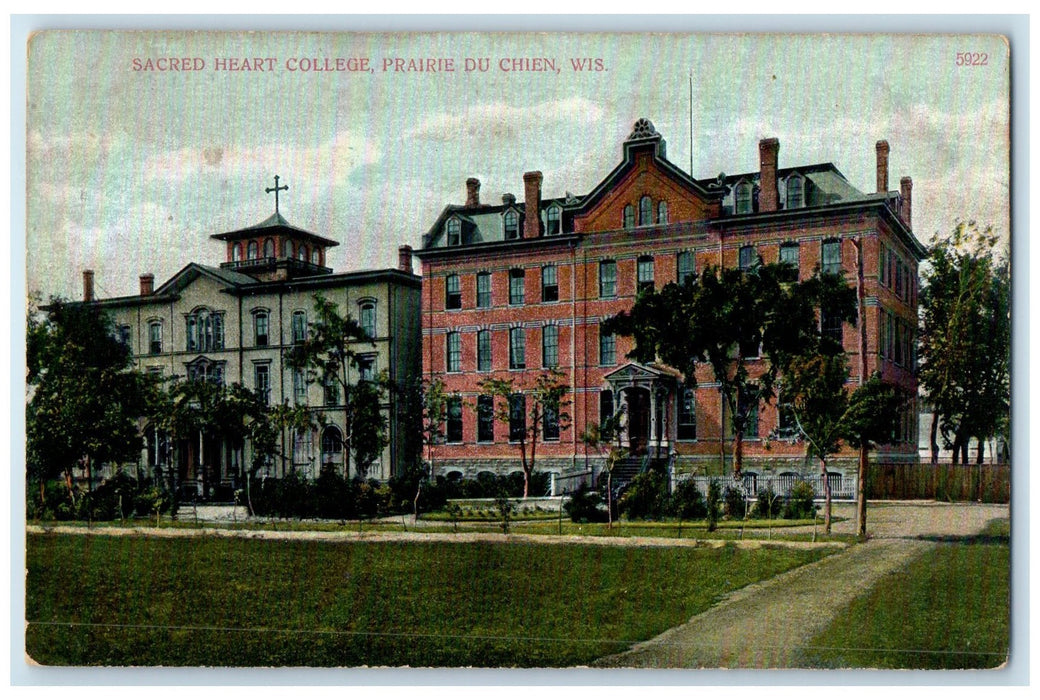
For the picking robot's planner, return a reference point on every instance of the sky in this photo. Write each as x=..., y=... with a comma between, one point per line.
x=131, y=171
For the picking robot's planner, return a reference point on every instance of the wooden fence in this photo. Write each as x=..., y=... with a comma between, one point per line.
x=989, y=483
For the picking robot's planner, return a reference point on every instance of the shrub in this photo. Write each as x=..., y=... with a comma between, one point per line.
x=151, y=501
x=114, y=498
x=713, y=501
x=646, y=497
x=767, y=505
x=687, y=502
x=736, y=506
x=334, y=496
x=584, y=506
x=800, y=504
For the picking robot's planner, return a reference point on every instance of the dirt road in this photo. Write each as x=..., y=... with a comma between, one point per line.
x=764, y=625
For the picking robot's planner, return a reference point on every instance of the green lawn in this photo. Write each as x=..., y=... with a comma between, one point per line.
x=948, y=609
x=239, y=602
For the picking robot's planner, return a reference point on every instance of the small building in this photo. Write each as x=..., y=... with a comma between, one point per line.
x=235, y=320
x=512, y=287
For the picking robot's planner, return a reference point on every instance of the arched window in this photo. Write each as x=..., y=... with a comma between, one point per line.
x=253, y=250
x=662, y=212
x=511, y=224
x=155, y=337
x=794, y=192
x=204, y=330
x=454, y=231
x=552, y=221
x=301, y=253
x=628, y=217
x=743, y=198
x=315, y=256
x=332, y=448
x=236, y=252
x=645, y=209
x=288, y=250
x=269, y=248
x=367, y=317
x=299, y=327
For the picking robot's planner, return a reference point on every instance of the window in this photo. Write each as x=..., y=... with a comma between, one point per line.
x=511, y=224
x=367, y=318
x=453, y=428
x=484, y=290
x=743, y=198
x=747, y=257
x=366, y=366
x=288, y=250
x=252, y=251
x=789, y=255
x=748, y=407
x=485, y=418
x=607, y=279
x=794, y=192
x=261, y=328
x=606, y=406
x=899, y=278
x=454, y=232
x=786, y=425
x=830, y=257
x=236, y=252
x=550, y=346
x=301, y=252
x=330, y=389
x=262, y=382
x=516, y=286
x=122, y=336
x=452, y=292
x=517, y=348
x=899, y=343
x=155, y=337
x=662, y=212
x=269, y=248
x=645, y=274
x=607, y=348
x=685, y=267
x=331, y=448
x=517, y=417
x=645, y=211
x=883, y=264
x=205, y=370
x=830, y=326
x=550, y=287
x=299, y=327
x=205, y=331
x=551, y=421
x=628, y=217
x=552, y=221
x=303, y=447
x=484, y=351
x=453, y=361
x=687, y=425
x=299, y=386
x=315, y=256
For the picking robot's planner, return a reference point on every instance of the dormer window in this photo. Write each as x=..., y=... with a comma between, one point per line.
x=511, y=224
x=645, y=210
x=628, y=217
x=794, y=192
x=743, y=198
x=552, y=221
x=662, y=212
x=454, y=232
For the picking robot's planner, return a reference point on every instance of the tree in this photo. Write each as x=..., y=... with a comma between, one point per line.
x=965, y=338
x=544, y=413
x=328, y=354
x=731, y=319
x=84, y=396
x=605, y=437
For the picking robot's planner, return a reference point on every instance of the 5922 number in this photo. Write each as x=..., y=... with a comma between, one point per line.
x=967, y=58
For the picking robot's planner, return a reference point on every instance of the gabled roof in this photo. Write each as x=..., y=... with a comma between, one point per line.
x=635, y=372
x=192, y=271
x=274, y=224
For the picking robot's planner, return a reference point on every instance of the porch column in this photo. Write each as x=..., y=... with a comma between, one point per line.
x=621, y=401
x=652, y=441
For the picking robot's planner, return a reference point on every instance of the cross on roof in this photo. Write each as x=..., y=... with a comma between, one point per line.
x=276, y=189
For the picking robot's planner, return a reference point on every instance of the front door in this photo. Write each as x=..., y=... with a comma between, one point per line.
x=638, y=400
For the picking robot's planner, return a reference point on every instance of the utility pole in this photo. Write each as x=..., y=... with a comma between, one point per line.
x=861, y=472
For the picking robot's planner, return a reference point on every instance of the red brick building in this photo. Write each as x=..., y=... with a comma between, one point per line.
x=512, y=287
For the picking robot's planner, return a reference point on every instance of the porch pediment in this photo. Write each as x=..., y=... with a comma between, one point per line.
x=635, y=374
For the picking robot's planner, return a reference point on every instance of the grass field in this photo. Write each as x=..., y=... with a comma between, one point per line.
x=95, y=600
x=948, y=609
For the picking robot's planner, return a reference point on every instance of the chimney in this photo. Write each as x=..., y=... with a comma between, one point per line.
x=532, y=204
x=509, y=199
x=906, y=186
x=404, y=258
x=147, y=284
x=769, y=195
x=882, y=166
x=88, y=285
x=472, y=192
